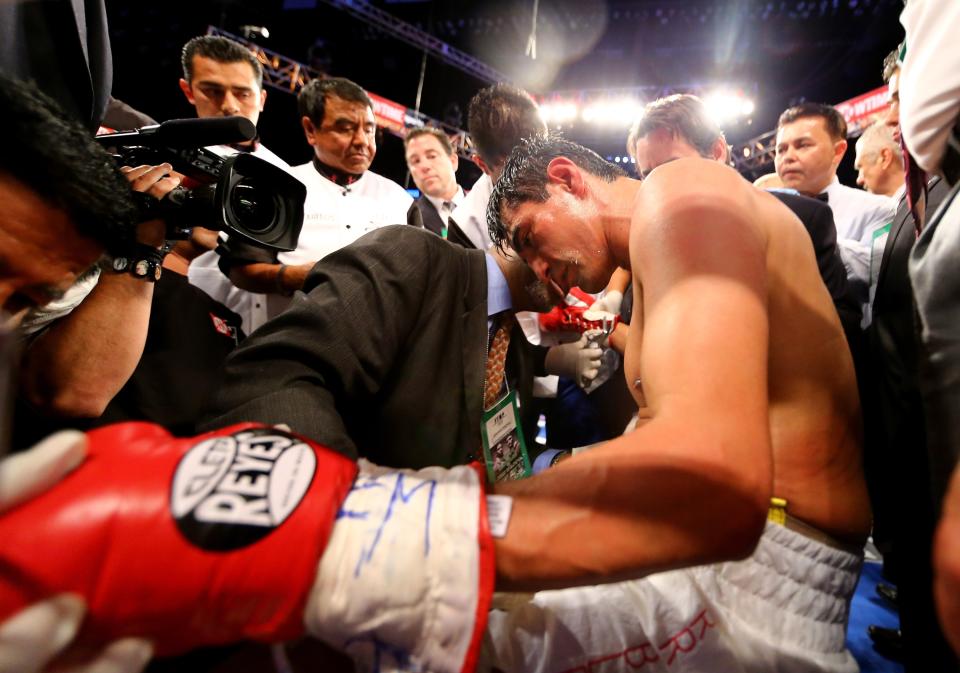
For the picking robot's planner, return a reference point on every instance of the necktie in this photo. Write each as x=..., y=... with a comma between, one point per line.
x=497, y=358
x=823, y=197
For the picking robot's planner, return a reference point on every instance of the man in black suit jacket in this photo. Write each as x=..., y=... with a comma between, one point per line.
x=384, y=354
x=896, y=433
x=432, y=163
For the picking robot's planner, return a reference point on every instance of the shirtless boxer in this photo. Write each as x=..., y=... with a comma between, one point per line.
x=741, y=365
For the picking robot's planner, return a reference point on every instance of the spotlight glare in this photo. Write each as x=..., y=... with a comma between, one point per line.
x=621, y=111
x=727, y=107
x=558, y=112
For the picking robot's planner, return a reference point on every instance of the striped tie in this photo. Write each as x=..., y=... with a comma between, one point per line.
x=496, y=359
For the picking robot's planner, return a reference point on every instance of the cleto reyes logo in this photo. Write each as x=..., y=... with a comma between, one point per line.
x=229, y=492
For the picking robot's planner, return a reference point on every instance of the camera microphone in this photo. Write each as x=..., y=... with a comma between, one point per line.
x=186, y=133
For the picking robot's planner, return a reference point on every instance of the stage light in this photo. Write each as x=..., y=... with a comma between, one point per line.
x=255, y=33
x=621, y=111
x=558, y=112
x=728, y=107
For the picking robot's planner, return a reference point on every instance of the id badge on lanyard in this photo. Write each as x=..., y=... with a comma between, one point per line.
x=504, y=451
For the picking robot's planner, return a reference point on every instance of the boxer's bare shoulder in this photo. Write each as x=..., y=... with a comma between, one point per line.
x=728, y=281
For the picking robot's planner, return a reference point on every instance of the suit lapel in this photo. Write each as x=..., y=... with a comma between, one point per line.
x=896, y=230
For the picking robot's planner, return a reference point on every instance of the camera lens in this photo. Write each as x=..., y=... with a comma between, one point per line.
x=254, y=207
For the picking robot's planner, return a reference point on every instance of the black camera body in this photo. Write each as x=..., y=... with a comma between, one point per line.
x=241, y=194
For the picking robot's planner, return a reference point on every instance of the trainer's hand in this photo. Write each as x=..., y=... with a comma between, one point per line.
x=609, y=303
x=33, y=637
x=579, y=360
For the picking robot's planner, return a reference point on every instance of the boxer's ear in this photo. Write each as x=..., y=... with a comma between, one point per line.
x=564, y=173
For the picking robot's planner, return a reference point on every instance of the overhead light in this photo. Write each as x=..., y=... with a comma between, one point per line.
x=558, y=112
x=621, y=111
x=728, y=107
x=254, y=33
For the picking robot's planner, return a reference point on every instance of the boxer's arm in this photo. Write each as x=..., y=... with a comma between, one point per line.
x=693, y=484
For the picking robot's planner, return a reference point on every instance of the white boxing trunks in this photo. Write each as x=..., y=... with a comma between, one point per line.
x=783, y=609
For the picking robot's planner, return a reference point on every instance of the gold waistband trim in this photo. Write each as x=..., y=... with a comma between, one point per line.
x=778, y=514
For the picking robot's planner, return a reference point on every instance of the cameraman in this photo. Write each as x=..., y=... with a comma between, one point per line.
x=222, y=78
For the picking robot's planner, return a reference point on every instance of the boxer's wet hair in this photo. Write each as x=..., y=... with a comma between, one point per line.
x=58, y=159
x=524, y=177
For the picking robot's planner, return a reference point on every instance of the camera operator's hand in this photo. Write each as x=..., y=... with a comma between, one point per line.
x=157, y=181
x=36, y=635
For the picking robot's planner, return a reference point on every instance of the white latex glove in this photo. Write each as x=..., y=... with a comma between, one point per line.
x=33, y=637
x=609, y=303
x=579, y=360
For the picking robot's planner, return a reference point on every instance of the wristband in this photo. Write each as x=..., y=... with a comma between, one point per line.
x=141, y=261
x=279, y=278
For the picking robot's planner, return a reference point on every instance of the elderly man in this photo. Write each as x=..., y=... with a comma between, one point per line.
x=879, y=161
x=715, y=324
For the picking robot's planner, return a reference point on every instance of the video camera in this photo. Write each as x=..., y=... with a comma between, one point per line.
x=241, y=194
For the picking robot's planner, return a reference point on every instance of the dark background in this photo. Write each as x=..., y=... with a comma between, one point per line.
x=782, y=51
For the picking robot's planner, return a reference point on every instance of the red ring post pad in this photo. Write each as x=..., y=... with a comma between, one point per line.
x=188, y=542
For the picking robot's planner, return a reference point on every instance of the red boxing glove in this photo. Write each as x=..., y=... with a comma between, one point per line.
x=187, y=542
x=569, y=317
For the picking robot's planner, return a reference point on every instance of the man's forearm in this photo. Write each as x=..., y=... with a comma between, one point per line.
x=622, y=511
x=269, y=278
x=77, y=366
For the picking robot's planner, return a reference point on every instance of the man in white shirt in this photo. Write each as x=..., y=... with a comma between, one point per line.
x=811, y=141
x=432, y=163
x=344, y=199
x=222, y=78
x=500, y=117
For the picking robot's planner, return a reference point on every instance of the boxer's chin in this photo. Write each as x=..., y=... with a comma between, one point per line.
x=542, y=296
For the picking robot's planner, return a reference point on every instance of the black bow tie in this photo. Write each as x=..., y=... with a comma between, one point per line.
x=335, y=176
x=823, y=197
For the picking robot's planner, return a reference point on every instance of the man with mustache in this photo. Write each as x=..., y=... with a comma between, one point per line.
x=344, y=199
